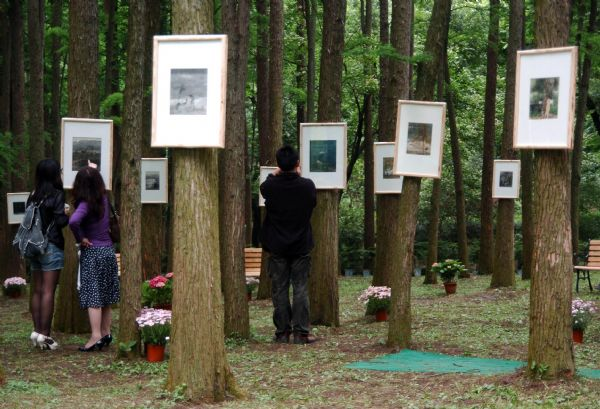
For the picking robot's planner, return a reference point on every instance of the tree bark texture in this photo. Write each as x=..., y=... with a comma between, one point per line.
x=527, y=213
x=275, y=127
x=232, y=165
x=198, y=357
x=83, y=102
x=131, y=157
x=486, y=242
x=503, y=274
x=432, y=230
x=311, y=23
x=35, y=104
x=550, y=340
x=323, y=286
x=300, y=75
x=55, y=82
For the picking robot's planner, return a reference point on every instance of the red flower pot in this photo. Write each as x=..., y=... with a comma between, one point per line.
x=578, y=336
x=450, y=288
x=155, y=353
x=381, y=315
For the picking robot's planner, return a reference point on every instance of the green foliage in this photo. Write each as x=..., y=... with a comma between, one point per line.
x=156, y=334
x=539, y=370
x=157, y=296
x=448, y=269
x=112, y=100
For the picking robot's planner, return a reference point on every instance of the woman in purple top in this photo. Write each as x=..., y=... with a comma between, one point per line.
x=99, y=279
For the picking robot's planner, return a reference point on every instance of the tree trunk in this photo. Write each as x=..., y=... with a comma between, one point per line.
x=323, y=286
x=503, y=274
x=83, y=102
x=311, y=22
x=582, y=95
x=300, y=74
x=35, y=22
x=232, y=197
x=432, y=231
x=399, y=332
x=55, y=81
x=550, y=342
x=198, y=357
x=486, y=242
x=527, y=227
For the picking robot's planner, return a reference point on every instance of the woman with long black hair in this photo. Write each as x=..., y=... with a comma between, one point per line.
x=49, y=195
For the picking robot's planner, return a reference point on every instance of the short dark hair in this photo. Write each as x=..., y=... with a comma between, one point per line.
x=287, y=158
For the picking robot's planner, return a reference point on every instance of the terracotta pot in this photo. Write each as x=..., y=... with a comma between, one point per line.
x=155, y=353
x=578, y=336
x=450, y=287
x=249, y=295
x=381, y=315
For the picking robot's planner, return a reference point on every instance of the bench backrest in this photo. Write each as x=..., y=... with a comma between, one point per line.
x=594, y=254
x=252, y=260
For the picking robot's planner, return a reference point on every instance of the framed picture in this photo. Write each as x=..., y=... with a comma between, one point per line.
x=16, y=204
x=545, y=98
x=323, y=154
x=385, y=180
x=154, y=180
x=189, y=89
x=264, y=172
x=419, y=138
x=507, y=174
x=84, y=142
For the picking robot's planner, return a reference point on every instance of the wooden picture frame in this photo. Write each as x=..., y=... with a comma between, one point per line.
x=83, y=141
x=507, y=176
x=16, y=203
x=323, y=158
x=383, y=161
x=154, y=180
x=264, y=172
x=419, y=145
x=189, y=83
x=545, y=98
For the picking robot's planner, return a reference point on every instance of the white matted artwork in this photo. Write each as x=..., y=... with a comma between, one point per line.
x=16, y=205
x=323, y=154
x=507, y=174
x=545, y=98
x=419, y=138
x=189, y=89
x=83, y=142
x=154, y=180
x=385, y=180
x=262, y=176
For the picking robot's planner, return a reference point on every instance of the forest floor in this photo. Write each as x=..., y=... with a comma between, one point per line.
x=476, y=321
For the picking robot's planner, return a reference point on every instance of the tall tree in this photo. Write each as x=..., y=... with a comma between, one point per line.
x=83, y=102
x=550, y=342
x=197, y=297
x=310, y=9
x=300, y=57
x=235, y=17
x=53, y=125
x=399, y=333
x=35, y=104
x=323, y=286
x=131, y=157
x=486, y=240
x=503, y=274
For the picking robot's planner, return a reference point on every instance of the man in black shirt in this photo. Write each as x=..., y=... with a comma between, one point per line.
x=287, y=236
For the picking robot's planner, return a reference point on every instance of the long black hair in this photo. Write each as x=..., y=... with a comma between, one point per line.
x=47, y=179
x=89, y=187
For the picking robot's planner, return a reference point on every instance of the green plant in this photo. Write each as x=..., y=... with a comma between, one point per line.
x=581, y=313
x=154, y=325
x=251, y=284
x=158, y=291
x=376, y=299
x=448, y=269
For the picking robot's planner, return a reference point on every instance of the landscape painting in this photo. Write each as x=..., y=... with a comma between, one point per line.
x=543, y=98
x=85, y=151
x=388, y=166
x=419, y=138
x=189, y=91
x=152, y=180
x=323, y=156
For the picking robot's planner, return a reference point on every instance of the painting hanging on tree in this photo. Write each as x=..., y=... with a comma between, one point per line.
x=507, y=174
x=86, y=142
x=154, y=180
x=545, y=98
x=189, y=90
x=16, y=205
x=323, y=154
x=265, y=171
x=385, y=180
x=419, y=139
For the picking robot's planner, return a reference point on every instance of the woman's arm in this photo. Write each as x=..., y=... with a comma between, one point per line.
x=76, y=220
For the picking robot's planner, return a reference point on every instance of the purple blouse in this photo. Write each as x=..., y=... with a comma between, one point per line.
x=95, y=230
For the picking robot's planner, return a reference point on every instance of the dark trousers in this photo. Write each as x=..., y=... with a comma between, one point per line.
x=283, y=271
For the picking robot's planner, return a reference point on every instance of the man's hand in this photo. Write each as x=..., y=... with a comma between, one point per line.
x=299, y=170
x=276, y=172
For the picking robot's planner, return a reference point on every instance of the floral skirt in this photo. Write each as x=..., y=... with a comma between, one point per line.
x=99, y=276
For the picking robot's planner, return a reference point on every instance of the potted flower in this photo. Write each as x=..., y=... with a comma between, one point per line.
x=581, y=315
x=377, y=300
x=448, y=270
x=158, y=292
x=14, y=287
x=251, y=284
x=155, y=327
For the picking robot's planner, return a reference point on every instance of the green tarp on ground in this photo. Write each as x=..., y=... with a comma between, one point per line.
x=416, y=361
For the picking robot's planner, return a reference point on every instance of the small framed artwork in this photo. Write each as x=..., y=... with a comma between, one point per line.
x=419, y=139
x=385, y=180
x=86, y=142
x=16, y=204
x=189, y=89
x=154, y=180
x=323, y=154
x=264, y=172
x=507, y=174
x=545, y=98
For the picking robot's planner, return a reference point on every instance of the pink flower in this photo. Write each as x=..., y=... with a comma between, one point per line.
x=169, y=275
x=159, y=285
x=154, y=283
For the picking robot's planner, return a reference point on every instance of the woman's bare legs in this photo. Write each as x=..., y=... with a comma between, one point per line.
x=48, y=288
x=95, y=315
x=106, y=320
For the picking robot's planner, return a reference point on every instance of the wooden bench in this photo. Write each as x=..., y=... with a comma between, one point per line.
x=592, y=264
x=118, y=255
x=252, y=261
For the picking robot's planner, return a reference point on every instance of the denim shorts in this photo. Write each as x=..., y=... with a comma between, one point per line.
x=53, y=259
